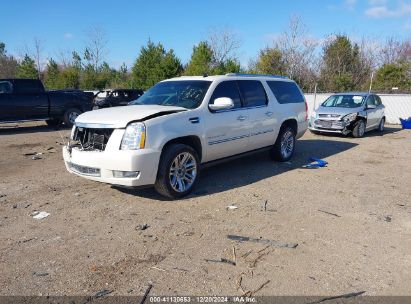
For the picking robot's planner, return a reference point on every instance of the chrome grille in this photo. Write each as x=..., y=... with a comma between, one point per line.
x=84, y=170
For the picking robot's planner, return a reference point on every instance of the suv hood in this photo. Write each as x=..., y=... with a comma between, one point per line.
x=119, y=117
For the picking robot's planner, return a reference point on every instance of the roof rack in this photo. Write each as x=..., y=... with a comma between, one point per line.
x=255, y=75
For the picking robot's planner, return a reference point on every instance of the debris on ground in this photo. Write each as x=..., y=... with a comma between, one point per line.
x=39, y=215
x=315, y=163
x=142, y=227
x=329, y=213
x=343, y=296
x=388, y=218
x=265, y=205
x=40, y=274
x=261, y=241
x=102, y=293
x=21, y=206
x=222, y=260
x=146, y=293
x=36, y=157
x=232, y=207
x=2, y=195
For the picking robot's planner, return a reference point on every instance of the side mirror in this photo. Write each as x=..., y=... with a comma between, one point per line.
x=222, y=103
x=370, y=107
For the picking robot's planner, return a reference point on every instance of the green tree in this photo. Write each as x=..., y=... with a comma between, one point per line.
x=201, y=60
x=393, y=75
x=52, y=80
x=340, y=62
x=270, y=61
x=27, y=68
x=153, y=65
x=8, y=65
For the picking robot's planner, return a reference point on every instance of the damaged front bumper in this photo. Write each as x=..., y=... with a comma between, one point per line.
x=330, y=126
x=125, y=168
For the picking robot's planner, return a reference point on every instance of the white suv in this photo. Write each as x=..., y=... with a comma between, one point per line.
x=164, y=137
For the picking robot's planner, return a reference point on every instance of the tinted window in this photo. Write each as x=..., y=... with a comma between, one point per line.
x=371, y=101
x=285, y=92
x=28, y=86
x=253, y=93
x=188, y=94
x=227, y=89
x=5, y=87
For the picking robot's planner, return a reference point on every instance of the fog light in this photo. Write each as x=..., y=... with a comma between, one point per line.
x=125, y=174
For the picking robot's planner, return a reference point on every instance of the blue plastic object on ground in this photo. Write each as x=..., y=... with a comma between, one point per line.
x=316, y=163
x=406, y=123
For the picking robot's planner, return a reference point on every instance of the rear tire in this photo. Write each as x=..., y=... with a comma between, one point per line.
x=70, y=116
x=178, y=171
x=284, y=146
x=359, y=129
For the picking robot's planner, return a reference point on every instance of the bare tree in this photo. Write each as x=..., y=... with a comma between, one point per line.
x=298, y=50
x=37, y=54
x=96, y=46
x=224, y=43
x=394, y=50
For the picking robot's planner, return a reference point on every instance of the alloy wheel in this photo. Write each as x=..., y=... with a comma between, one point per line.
x=183, y=172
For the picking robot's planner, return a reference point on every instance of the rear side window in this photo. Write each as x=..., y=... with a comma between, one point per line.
x=227, y=89
x=253, y=93
x=286, y=92
x=28, y=86
x=5, y=87
x=378, y=100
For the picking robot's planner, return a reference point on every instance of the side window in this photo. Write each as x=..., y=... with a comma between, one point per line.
x=27, y=86
x=6, y=87
x=378, y=101
x=371, y=101
x=227, y=89
x=286, y=92
x=253, y=93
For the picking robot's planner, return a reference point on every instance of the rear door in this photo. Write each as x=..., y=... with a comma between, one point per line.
x=7, y=108
x=261, y=112
x=30, y=99
x=227, y=132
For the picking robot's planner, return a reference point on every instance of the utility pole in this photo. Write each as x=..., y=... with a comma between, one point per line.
x=372, y=78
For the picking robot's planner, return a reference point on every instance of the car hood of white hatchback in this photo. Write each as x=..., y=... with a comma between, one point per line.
x=120, y=117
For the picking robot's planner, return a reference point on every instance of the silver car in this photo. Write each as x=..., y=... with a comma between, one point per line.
x=347, y=113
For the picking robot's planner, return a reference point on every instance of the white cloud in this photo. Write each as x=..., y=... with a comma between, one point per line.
x=383, y=11
x=68, y=35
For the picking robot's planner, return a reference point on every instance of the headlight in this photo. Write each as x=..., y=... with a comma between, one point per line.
x=350, y=117
x=134, y=137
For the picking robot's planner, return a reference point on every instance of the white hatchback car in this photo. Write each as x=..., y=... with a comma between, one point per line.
x=180, y=124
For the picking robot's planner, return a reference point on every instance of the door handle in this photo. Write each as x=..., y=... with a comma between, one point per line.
x=241, y=117
x=269, y=113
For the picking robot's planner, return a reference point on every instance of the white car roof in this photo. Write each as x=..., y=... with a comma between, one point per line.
x=232, y=77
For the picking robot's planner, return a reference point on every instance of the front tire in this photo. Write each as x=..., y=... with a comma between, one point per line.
x=284, y=146
x=359, y=129
x=70, y=116
x=381, y=125
x=178, y=171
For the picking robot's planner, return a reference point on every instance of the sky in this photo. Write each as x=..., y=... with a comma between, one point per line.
x=62, y=26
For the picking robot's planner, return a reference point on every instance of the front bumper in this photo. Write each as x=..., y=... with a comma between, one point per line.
x=329, y=126
x=100, y=165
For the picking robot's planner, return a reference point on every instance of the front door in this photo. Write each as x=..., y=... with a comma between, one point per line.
x=227, y=132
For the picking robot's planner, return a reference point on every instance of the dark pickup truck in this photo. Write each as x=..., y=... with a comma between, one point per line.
x=26, y=99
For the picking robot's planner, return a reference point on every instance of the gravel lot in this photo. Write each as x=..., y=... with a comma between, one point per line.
x=351, y=221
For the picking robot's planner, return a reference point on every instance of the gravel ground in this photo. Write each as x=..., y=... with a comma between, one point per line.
x=351, y=221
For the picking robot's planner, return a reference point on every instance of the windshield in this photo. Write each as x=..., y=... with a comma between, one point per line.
x=185, y=93
x=344, y=101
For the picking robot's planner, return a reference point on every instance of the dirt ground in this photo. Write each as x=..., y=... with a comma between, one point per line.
x=351, y=221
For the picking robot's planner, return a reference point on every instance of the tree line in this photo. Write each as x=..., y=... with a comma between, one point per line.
x=335, y=63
